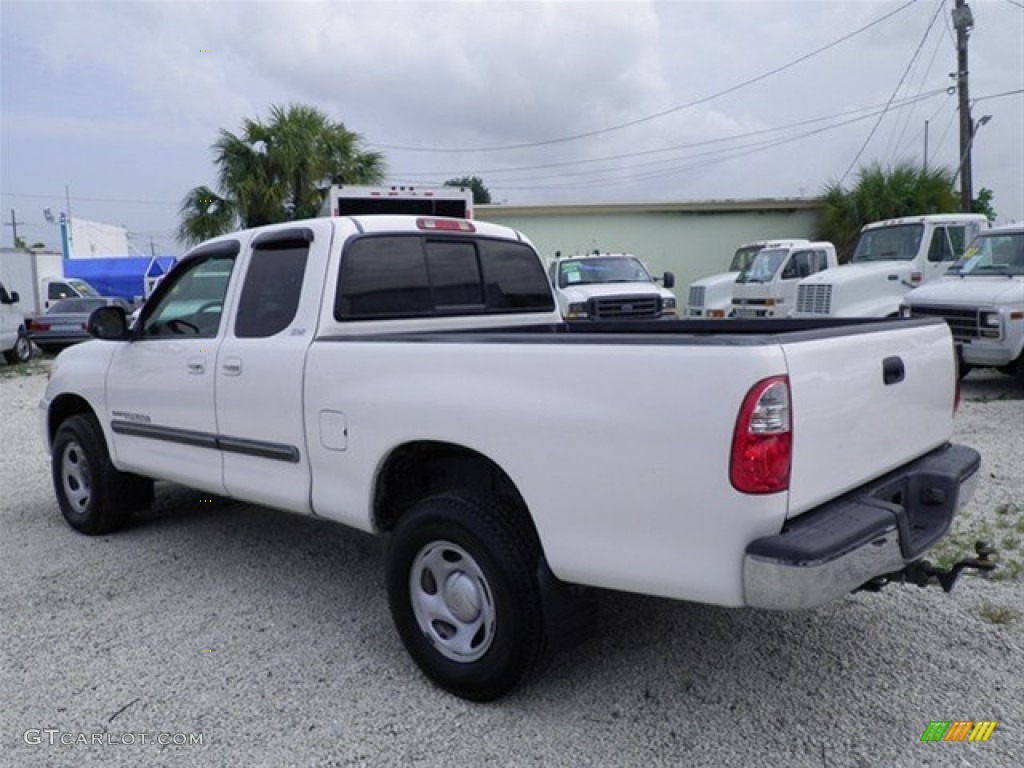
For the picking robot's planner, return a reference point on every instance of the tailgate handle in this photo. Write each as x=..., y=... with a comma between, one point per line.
x=892, y=370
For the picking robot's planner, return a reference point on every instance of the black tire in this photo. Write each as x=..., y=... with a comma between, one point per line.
x=479, y=633
x=94, y=497
x=22, y=351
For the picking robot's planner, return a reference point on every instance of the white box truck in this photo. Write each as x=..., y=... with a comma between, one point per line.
x=352, y=200
x=39, y=280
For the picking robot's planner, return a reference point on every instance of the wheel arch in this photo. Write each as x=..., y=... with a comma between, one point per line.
x=415, y=470
x=63, y=407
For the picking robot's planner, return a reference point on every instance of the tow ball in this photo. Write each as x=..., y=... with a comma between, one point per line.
x=923, y=573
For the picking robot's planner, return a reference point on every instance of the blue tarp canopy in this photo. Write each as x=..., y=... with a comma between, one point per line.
x=117, y=276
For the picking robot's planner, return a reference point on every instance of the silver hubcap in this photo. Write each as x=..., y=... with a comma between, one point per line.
x=452, y=601
x=23, y=347
x=74, y=471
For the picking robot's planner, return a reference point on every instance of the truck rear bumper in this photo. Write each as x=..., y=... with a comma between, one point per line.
x=874, y=530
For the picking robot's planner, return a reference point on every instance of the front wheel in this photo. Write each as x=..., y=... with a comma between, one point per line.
x=22, y=351
x=94, y=497
x=461, y=576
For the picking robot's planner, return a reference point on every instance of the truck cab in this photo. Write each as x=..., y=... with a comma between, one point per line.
x=981, y=298
x=891, y=258
x=57, y=288
x=15, y=345
x=610, y=286
x=711, y=297
x=767, y=288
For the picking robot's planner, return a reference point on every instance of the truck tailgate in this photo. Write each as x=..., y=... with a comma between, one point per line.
x=864, y=403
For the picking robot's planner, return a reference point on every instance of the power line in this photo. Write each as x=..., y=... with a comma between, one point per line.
x=656, y=115
x=674, y=148
x=913, y=58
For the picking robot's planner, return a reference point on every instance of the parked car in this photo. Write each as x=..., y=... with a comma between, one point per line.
x=610, y=286
x=65, y=322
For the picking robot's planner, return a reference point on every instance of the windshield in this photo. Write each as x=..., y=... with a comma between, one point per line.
x=743, y=258
x=83, y=288
x=993, y=254
x=897, y=243
x=601, y=269
x=764, y=266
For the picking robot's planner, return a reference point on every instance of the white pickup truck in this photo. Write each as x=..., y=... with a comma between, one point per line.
x=891, y=258
x=982, y=299
x=610, y=286
x=411, y=377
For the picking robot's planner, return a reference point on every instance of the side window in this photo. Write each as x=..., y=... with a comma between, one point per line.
x=939, y=249
x=58, y=291
x=454, y=274
x=792, y=269
x=270, y=293
x=958, y=240
x=514, y=278
x=383, y=277
x=192, y=304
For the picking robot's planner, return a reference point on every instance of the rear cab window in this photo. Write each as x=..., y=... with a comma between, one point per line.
x=405, y=276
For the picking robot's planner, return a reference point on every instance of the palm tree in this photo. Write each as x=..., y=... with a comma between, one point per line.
x=884, y=193
x=274, y=171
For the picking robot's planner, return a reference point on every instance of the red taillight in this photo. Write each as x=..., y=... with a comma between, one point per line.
x=446, y=225
x=36, y=326
x=915, y=277
x=762, y=443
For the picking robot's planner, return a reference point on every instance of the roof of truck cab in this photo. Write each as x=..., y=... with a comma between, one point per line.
x=933, y=218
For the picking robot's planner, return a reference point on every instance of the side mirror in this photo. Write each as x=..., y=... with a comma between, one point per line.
x=668, y=280
x=108, y=323
x=15, y=298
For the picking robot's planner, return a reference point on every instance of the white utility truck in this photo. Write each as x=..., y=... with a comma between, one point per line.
x=411, y=377
x=39, y=280
x=982, y=300
x=610, y=286
x=15, y=345
x=711, y=297
x=354, y=200
x=891, y=258
x=767, y=288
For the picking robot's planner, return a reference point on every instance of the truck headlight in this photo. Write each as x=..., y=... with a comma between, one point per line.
x=668, y=305
x=576, y=311
x=990, y=323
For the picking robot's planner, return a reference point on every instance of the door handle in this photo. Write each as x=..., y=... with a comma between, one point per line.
x=892, y=370
x=232, y=366
x=196, y=366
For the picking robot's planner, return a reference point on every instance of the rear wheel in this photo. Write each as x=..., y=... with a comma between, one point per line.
x=22, y=351
x=94, y=497
x=461, y=575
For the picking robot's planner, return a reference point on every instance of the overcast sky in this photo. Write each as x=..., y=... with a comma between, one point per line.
x=547, y=102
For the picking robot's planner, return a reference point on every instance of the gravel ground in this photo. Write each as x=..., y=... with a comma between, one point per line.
x=267, y=636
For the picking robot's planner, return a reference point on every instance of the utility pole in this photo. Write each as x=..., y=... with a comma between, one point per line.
x=926, y=147
x=14, y=225
x=963, y=20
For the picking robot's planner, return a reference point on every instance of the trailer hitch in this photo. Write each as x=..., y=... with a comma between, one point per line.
x=923, y=573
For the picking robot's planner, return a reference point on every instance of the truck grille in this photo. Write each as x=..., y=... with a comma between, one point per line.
x=814, y=299
x=697, y=295
x=963, y=323
x=625, y=307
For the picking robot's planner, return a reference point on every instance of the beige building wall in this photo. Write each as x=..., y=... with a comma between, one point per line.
x=692, y=240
